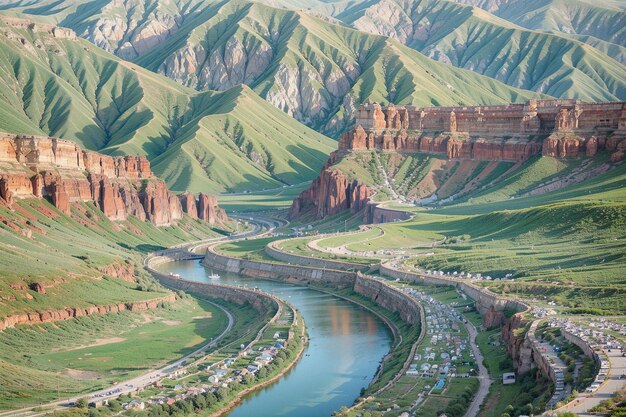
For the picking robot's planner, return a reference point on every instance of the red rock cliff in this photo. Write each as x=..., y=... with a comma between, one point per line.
x=33, y=166
x=331, y=193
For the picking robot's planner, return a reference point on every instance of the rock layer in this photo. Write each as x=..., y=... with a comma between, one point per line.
x=34, y=166
x=72, y=312
x=515, y=133
x=331, y=193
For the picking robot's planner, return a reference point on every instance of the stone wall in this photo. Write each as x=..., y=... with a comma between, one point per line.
x=382, y=294
x=376, y=214
x=492, y=308
x=272, y=249
x=487, y=302
x=388, y=297
x=289, y=273
x=237, y=295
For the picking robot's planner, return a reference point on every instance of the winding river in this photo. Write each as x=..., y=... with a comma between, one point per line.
x=346, y=345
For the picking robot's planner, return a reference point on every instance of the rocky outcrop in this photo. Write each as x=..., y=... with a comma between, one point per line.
x=188, y=204
x=519, y=348
x=208, y=209
x=160, y=206
x=123, y=271
x=331, y=193
x=204, y=207
x=34, y=166
x=73, y=312
x=515, y=133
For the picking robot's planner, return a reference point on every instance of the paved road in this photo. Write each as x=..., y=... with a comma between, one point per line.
x=612, y=384
x=131, y=384
x=483, y=374
x=264, y=225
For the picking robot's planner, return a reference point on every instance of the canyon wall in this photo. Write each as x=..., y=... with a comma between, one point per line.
x=120, y=186
x=73, y=312
x=515, y=132
x=331, y=193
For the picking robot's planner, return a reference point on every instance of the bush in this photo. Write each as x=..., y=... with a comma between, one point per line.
x=82, y=403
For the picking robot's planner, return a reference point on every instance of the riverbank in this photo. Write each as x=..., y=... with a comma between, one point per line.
x=243, y=394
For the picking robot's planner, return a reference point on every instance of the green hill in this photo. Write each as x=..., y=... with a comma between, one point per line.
x=208, y=141
x=469, y=37
x=312, y=69
x=602, y=20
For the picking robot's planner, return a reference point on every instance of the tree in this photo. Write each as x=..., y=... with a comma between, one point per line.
x=222, y=393
x=248, y=379
x=82, y=403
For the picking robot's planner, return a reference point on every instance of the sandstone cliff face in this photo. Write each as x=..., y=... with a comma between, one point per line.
x=72, y=312
x=208, y=209
x=518, y=347
x=331, y=193
x=32, y=166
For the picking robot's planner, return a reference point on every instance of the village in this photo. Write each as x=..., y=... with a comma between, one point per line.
x=222, y=374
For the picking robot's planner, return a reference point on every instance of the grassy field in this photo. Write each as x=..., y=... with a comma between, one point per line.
x=252, y=249
x=274, y=199
x=67, y=255
x=299, y=246
x=92, y=352
x=566, y=245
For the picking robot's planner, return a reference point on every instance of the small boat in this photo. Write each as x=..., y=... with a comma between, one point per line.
x=213, y=275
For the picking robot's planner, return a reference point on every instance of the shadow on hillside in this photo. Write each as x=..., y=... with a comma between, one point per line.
x=143, y=247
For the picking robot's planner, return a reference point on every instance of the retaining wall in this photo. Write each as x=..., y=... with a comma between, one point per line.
x=388, y=297
x=486, y=300
x=290, y=273
x=235, y=295
x=273, y=251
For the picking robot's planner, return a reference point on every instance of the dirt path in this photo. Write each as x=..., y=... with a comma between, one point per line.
x=483, y=374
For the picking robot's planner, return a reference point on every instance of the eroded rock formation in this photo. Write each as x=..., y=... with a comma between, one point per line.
x=331, y=193
x=515, y=133
x=72, y=312
x=34, y=166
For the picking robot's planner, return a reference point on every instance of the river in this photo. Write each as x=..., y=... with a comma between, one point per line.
x=346, y=345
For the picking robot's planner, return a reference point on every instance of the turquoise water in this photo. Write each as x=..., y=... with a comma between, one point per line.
x=346, y=345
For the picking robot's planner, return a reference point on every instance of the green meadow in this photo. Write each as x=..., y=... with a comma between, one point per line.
x=40, y=362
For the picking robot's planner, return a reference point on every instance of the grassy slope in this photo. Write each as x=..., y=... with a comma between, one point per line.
x=204, y=141
x=93, y=352
x=304, y=65
x=472, y=38
x=572, y=236
x=68, y=254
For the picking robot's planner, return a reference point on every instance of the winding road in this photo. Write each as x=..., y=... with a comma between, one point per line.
x=483, y=375
x=261, y=227
x=129, y=385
